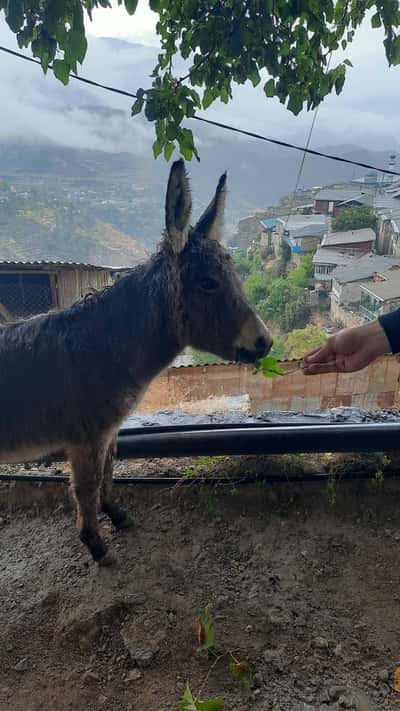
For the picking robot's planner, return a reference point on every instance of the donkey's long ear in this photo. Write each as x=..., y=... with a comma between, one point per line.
x=178, y=207
x=210, y=223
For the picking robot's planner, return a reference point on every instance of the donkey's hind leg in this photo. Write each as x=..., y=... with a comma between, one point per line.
x=87, y=468
x=119, y=517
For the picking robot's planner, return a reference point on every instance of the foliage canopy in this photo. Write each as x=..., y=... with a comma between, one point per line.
x=284, y=45
x=354, y=218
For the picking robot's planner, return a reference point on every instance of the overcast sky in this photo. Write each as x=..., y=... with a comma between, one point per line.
x=33, y=106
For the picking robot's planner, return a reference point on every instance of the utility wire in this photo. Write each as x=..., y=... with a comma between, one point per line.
x=303, y=158
x=218, y=124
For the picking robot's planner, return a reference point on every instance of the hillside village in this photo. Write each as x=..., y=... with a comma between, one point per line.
x=324, y=258
x=355, y=271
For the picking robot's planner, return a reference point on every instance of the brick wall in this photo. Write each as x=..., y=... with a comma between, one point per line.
x=374, y=387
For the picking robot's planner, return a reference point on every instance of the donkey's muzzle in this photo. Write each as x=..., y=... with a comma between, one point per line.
x=261, y=347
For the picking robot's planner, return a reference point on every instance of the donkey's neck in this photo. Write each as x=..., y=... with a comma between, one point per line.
x=140, y=319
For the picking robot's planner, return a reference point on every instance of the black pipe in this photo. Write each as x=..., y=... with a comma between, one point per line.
x=197, y=480
x=366, y=437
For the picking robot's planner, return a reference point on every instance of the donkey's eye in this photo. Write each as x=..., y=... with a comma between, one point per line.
x=209, y=284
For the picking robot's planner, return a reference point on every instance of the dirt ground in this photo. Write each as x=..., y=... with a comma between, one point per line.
x=302, y=581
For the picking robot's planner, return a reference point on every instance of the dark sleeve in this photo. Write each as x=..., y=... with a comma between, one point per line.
x=391, y=325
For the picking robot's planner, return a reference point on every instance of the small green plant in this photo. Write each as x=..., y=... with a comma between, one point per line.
x=205, y=632
x=242, y=673
x=269, y=367
x=193, y=703
x=379, y=477
x=331, y=489
x=202, y=463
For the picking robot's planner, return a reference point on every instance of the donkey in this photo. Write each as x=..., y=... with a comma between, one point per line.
x=68, y=379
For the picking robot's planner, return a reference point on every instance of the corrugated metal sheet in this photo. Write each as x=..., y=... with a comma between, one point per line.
x=57, y=265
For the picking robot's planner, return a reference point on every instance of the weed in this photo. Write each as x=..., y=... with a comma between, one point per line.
x=379, y=477
x=193, y=703
x=331, y=490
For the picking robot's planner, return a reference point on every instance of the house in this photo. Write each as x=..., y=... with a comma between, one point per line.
x=29, y=288
x=330, y=201
x=380, y=297
x=303, y=233
x=347, y=282
x=268, y=226
x=325, y=262
x=351, y=241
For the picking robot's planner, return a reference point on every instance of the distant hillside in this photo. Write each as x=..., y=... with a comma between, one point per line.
x=32, y=227
x=127, y=191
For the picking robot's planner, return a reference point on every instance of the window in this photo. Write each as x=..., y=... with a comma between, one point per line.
x=25, y=294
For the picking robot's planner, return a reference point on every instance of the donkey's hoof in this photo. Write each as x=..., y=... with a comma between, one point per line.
x=107, y=560
x=125, y=522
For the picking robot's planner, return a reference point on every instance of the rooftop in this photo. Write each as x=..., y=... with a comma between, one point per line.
x=330, y=256
x=268, y=223
x=42, y=265
x=340, y=194
x=305, y=225
x=366, y=234
x=383, y=290
x=364, y=268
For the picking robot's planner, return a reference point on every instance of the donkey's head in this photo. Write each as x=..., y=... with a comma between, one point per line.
x=216, y=315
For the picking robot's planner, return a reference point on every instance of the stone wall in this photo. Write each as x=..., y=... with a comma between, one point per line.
x=374, y=387
x=345, y=316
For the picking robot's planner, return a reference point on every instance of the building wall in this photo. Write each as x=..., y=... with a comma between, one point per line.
x=352, y=247
x=383, y=240
x=374, y=387
x=73, y=284
x=344, y=316
x=390, y=305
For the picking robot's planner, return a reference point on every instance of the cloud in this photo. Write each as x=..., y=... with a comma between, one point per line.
x=35, y=107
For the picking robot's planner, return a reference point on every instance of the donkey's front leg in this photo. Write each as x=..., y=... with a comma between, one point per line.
x=87, y=464
x=119, y=517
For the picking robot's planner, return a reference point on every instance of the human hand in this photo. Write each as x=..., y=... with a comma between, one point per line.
x=349, y=350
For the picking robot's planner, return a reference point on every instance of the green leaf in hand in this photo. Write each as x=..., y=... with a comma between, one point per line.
x=269, y=366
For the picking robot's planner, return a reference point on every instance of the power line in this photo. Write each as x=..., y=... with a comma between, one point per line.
x=303, y=157
x=218, y=124
x=74, y=76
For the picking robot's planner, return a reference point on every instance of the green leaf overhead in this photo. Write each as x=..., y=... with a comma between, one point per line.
x=290, y=46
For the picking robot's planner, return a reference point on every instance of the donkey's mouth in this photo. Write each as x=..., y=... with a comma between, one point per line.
x=244, y=356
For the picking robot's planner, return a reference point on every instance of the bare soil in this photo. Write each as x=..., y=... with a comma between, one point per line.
x=301, y=580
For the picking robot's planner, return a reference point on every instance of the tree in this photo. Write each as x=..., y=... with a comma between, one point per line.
x=286, y=45
x=246, y=265
x=300, y=341
x=303, y=274
x=354, y=218
x=256, y=287
x=279, y=348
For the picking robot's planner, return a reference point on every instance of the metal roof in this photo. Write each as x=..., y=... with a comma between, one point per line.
x=366, y=234
x=330, y=256
x=364, y=268
x=269, y=222
x=305, y=225
x=383, y=290
x=339, y=194
x=44, y=264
